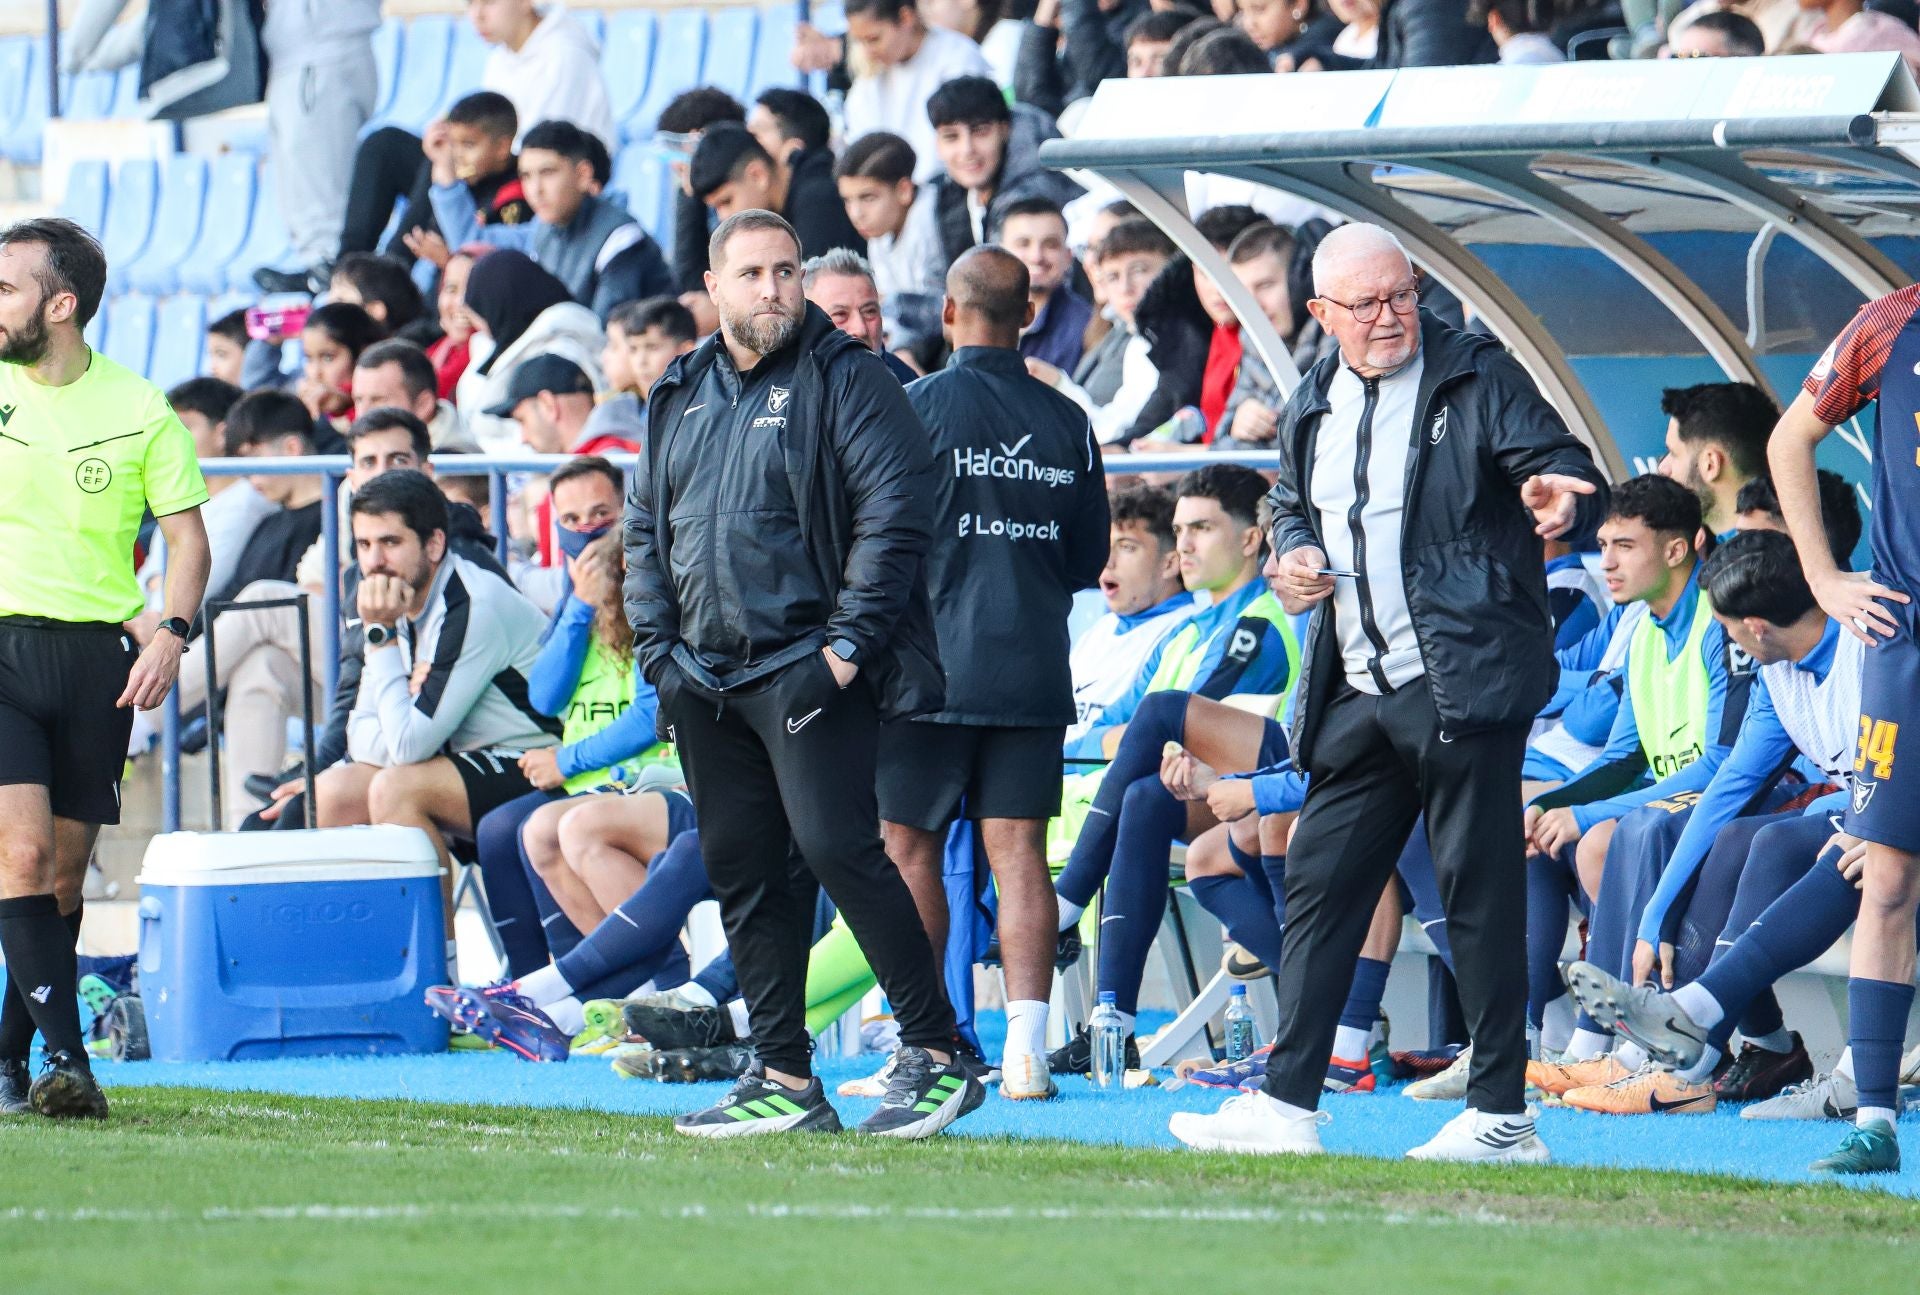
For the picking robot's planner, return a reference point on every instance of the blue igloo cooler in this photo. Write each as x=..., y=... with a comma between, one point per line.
x=290, y=944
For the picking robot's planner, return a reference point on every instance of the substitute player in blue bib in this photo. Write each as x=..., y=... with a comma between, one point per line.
x=1877, y=357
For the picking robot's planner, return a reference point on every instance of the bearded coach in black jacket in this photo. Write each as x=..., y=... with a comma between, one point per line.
x=1419, y=472
x=774, y=536
x=1020, y=525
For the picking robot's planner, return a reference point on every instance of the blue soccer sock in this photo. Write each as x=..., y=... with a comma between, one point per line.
x=1161, y=718
x=1150, y=821
x=1244, y=910
x=1791, y=932
x=642, y=936
x=560, y=932
x=516, y=917
x=1551, y=885
x=1362, y=1008
x=1423, y=886
x=1877, y=1028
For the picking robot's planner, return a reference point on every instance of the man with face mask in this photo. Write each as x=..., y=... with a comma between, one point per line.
x=775, y=533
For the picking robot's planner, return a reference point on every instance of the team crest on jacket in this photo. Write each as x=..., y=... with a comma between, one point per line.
x=1863, y=795
x=777, y=399
x=1439, y=428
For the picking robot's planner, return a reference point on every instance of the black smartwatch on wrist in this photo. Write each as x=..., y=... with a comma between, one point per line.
x=176, y=626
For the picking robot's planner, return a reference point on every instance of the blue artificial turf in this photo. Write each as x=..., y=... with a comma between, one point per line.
x=1382, y=1124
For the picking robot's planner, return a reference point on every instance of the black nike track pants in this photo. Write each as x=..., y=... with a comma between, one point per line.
x=1377, y=764
x=795, y=760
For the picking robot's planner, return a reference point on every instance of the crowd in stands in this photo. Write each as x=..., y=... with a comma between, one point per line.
x=515, y=305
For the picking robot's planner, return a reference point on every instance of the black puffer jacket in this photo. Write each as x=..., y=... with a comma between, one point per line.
x=1058, y=65
x=860, y=471
x=1474, y=569
x=1430, y=33
x=1179, y=331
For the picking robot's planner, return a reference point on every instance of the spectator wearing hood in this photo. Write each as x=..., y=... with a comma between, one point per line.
x=519, y=311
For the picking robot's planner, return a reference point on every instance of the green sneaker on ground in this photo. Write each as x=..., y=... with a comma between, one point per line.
x=759, y=1105
x=605, y=1027
x=1871, y=1148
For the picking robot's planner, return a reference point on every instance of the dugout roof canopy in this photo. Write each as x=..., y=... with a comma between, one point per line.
x=1593, y=208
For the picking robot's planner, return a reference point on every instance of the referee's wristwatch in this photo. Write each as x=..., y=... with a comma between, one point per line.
x=176, y=626
x=378, y=635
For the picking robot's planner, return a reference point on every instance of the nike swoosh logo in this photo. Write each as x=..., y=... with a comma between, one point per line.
x=694, y=409
x=1656, y=1106
x=1017, y=445
x=1676, y=732
x=795, y=725
x=1113, y=917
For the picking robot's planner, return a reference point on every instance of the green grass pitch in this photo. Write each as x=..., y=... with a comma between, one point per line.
x=201, y=1192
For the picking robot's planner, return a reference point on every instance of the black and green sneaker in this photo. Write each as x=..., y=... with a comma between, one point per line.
x=1871, y=1148
x=15, y=1080
x=923, y=1096
x=760, y=1105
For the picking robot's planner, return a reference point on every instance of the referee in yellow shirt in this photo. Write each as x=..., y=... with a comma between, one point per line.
x=86, y=448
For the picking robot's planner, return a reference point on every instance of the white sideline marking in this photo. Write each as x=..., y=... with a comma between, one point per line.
x=841, y=1213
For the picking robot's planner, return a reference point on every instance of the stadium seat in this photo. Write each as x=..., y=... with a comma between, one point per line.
x=642, y=175
x=268, y=242
x=176, y=226
x=730, y=52
x=130, y=216
x=228, y=302
x=677, y=58
x=465, y=66
x=126, y=94
x=90, y=97
x=387, y=39
x=96, y=330
x=422, y=73
x=86, y=200
x=16, y=60
x=179, y=337
x=23, y=138
x=830, y=19
x=773, y=50
x=626, y=63
x=130, y=323
x=232, y=190
x=594, y=21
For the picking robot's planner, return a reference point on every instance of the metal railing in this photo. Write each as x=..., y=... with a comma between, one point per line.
x=497, y=468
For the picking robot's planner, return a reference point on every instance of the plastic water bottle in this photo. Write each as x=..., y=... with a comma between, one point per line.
x=1186, y=427
x=1109, y=1043
x=1243, y=1035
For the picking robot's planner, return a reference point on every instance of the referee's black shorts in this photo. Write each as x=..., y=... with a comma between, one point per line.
x=59, y=725
x=928, y=770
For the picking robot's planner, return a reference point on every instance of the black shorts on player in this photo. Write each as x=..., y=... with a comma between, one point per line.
x=61, y=725
x=491, y=779
x=930, y=774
